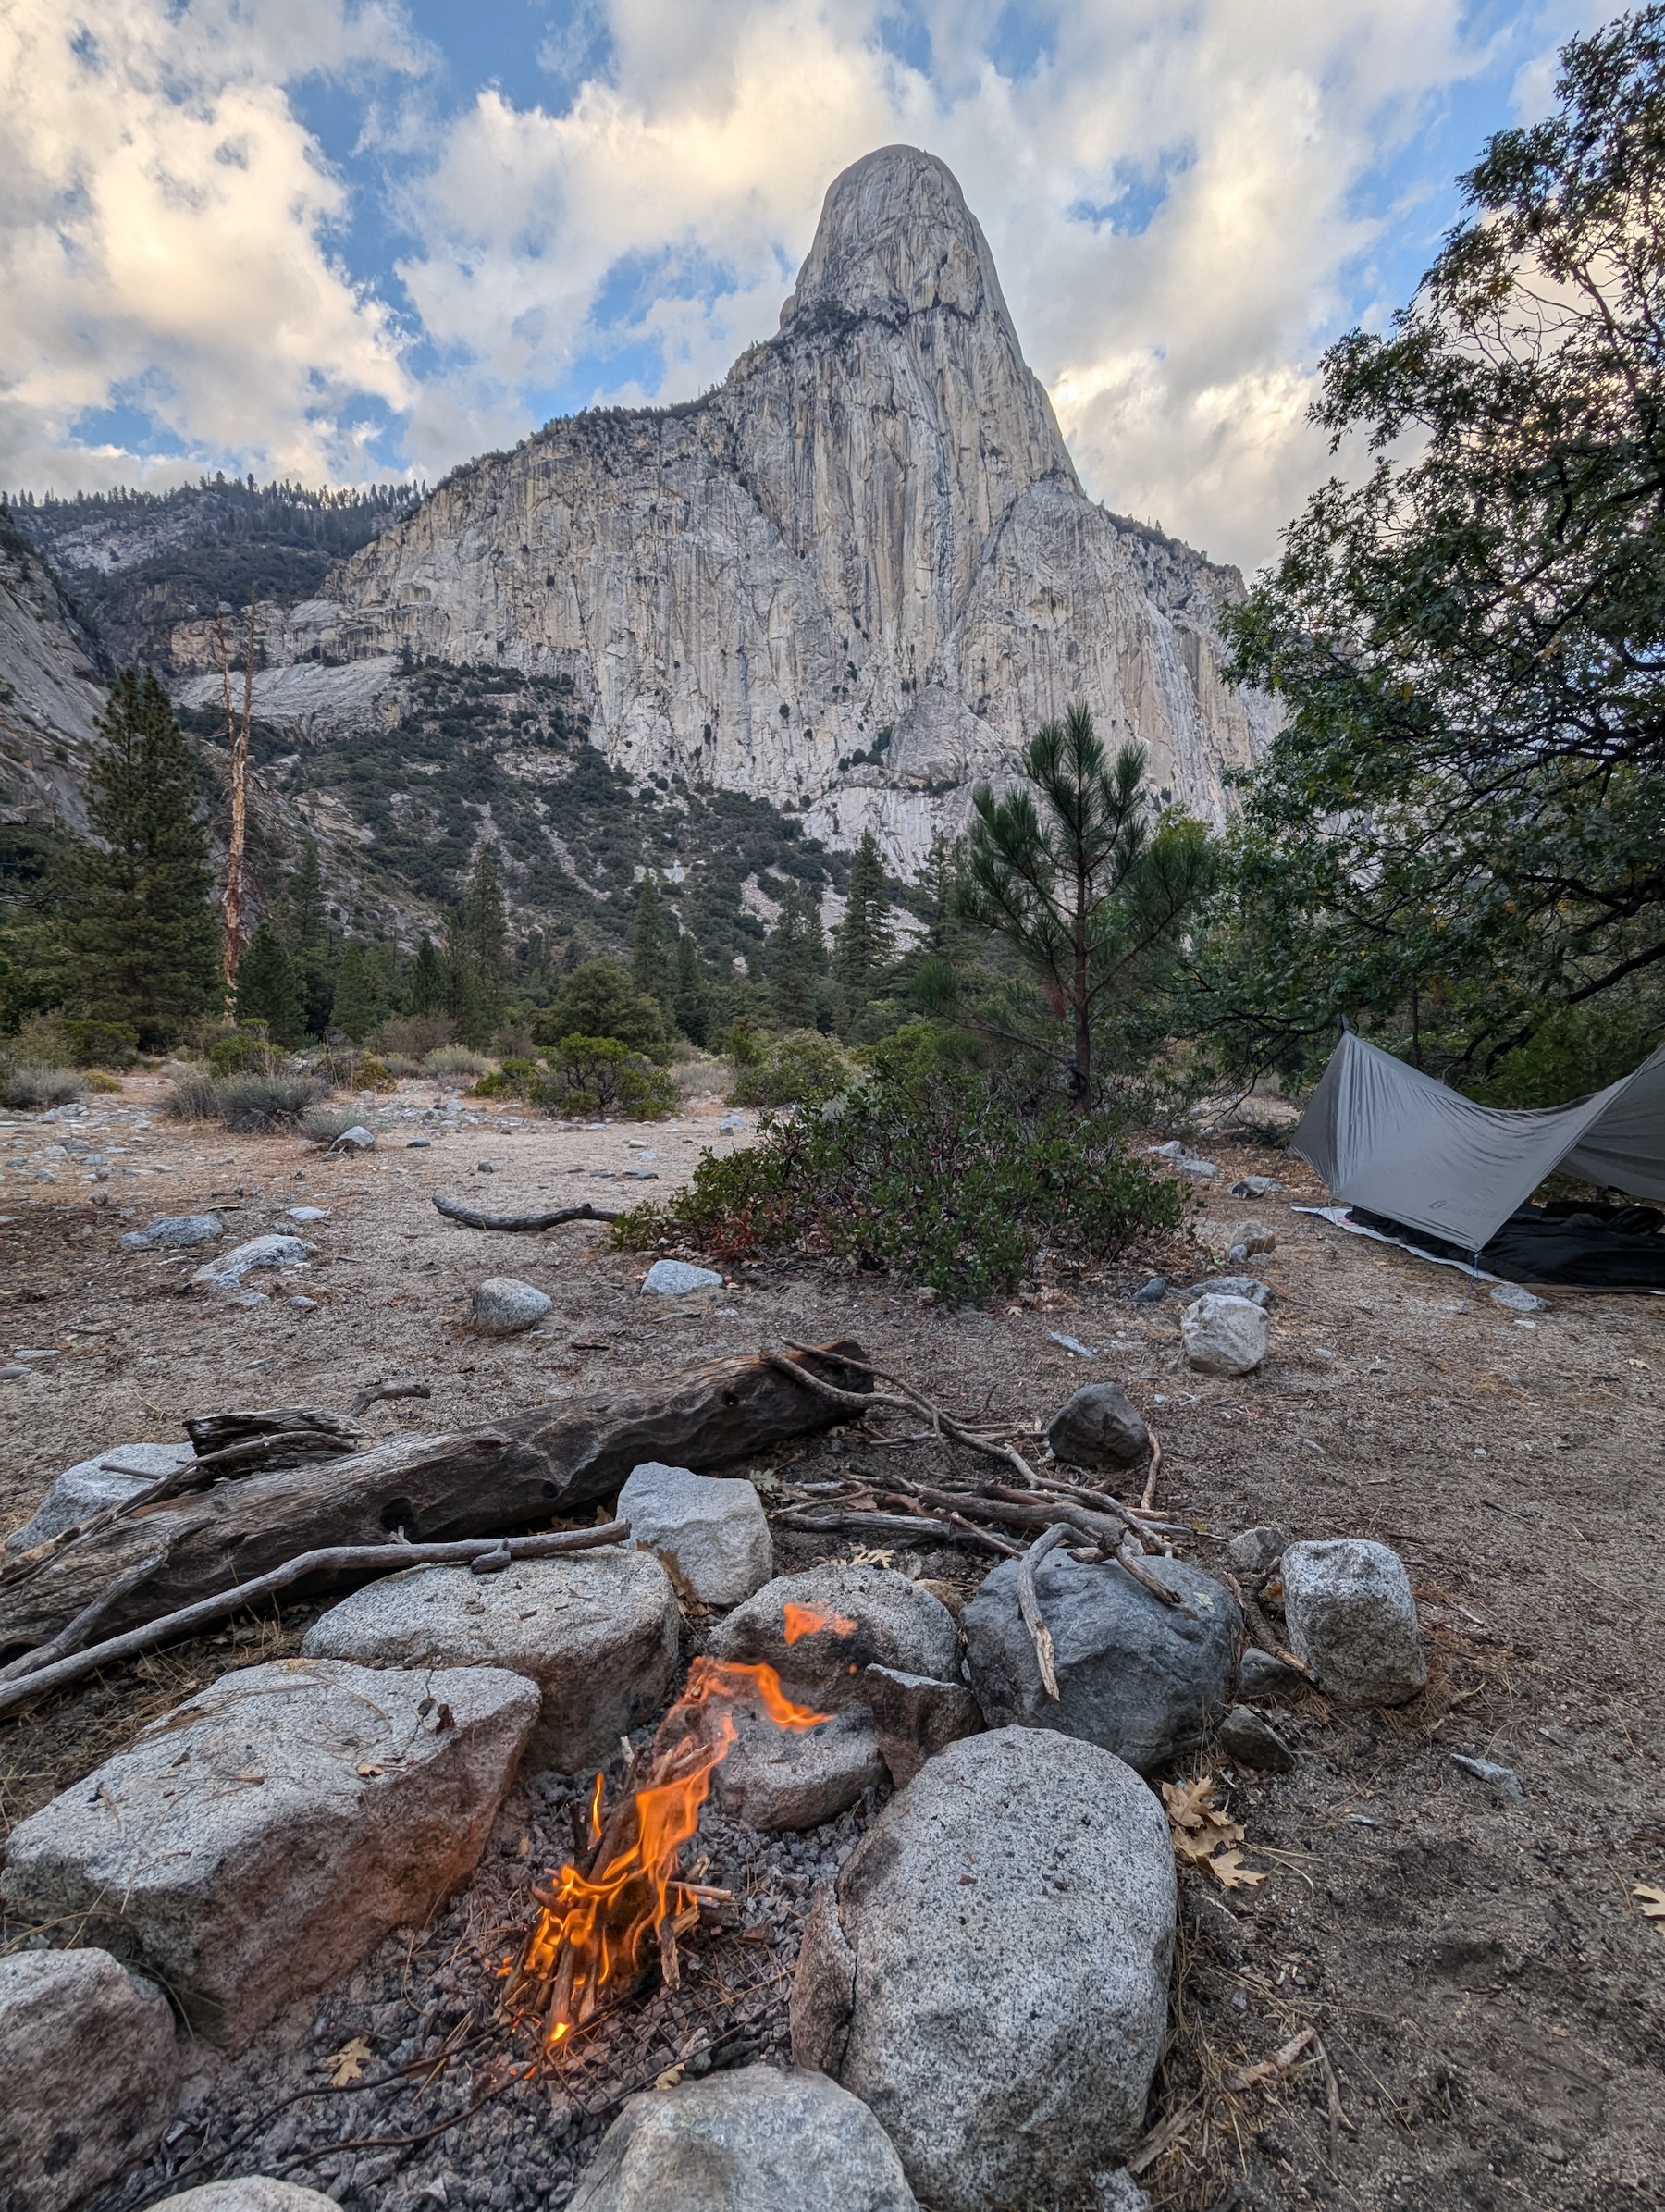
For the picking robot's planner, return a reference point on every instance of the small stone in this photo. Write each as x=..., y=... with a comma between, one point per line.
x=1251, y=1741
x=255, y=1844
x=1263, y=1674
x=249, y=2192
x=1253, y=1237
x=599, y=1632
x=916, y=1717
x=484, y=1166
x=1517, y=1300
x=1256, y=1186
x=995, y=1953
x=91, y=1484
x=1099, y=1427
x=14, y=1374
x=356, y=1138
x=304, y=1305
x=1151, y=1293
x=710, y=1532
x=1256, y=1551
x=759, y=2139
x=794, y=1778
x=174, y=1233
x=1118, y=2191
x=730, y=1124
x=1142, y=1679
x=92, y=2071
x=871, y=1614
x=1498, y=1777
x=676, y=1278
x=1352, y=1618
x=1234, y=1286
x=418, y=1144
x=227, y=1272
x=304, y=1213
x=1224, y=1335
x=503, y=1307
x=1184, y=1161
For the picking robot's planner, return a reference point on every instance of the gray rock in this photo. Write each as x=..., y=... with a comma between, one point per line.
x=91, y=2072
x=419, y=1145
x=761, y=2139
x=249, y=2192
x=356, y=1138
x=1099, y=1427
x=1517, y=1300
x=599, y=1632
x=1141, y=1679
x=1183, y=1160
x=1251, y=1741
x=990, y=1972
x=1497, y=1777
x=308, y=1212
x=1253, y=1237
x=174, y=1233
x=503, y=1307
x=1256, y=1551
x=676, y=1278
x=1351, y=1617
x=1151, y=1293
x=1260, y=1675
x=710, y=1532
x=257, y=1843
x=1224, y=1335
x=897, y=1625
x=1256, y=1186
x=227, y=1272
x=1234, y=1286
x=795, y=1778
x=111, y=1478
x=916, y=1717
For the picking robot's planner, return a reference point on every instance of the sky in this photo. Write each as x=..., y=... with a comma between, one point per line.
x=348, y=240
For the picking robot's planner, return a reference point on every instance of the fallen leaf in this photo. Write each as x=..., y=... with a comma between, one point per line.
x=1653, y=1900
x=1228, y=1871
x=347, y=2064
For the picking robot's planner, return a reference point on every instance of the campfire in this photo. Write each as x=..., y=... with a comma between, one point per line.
x=602, y=1923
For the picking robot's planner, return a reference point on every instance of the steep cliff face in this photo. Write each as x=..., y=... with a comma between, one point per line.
x=50, y=694
x=852, y=580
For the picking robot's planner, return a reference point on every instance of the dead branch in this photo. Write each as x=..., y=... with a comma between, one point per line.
x=1269, y=2068
x=333, y=1560
x=1147, y=1497
x=517, y=1223
x=549, y=1460
x=1028, y=1604
x=373, y=1393
x=864, y=1523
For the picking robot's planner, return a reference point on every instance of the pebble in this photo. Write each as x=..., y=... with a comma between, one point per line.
x=418, y=1144
x=301, y=1213
x=1516, y=1300
x=676, y=1278
x=1150, y=1293
x=503, y=1307
x=484, y=1166
x=1251, y=1741
x=1256, y=1186
x=1489, y=1772
x=1256, y=1551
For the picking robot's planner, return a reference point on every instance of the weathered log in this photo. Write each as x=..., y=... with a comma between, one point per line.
x=548, y=1461
x=214, y=1433
x=467, y=1215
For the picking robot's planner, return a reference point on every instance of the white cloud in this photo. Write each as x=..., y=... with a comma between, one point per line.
x=165, y=228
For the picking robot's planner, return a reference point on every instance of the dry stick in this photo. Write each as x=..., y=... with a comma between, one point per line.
x=470, y=1218
x=1332, y=2089
x=1279, y=2063
x=374, y=1392
x=1148, y=1495
x=1029, y=1604
x=341, y=1559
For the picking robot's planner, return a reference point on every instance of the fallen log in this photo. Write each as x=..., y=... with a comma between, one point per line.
x=517, y=1223
x=549, y=1462
x=59, y=1664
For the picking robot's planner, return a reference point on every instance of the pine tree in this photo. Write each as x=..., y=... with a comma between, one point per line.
x=691, y=1008
x=483, y=933
x=465, y=1001
x=144, y=936
x=650, y=959
x=268, y=989
x=428, y=980
x=354, y=1010
x=796, y=957
x=863, y=945
x=306, y=936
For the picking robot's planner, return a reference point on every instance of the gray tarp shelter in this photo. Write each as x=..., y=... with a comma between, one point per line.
x=1386, y=1137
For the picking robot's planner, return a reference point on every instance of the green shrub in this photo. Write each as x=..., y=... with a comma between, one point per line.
x=515, y=1079
x=800, y=1069
x=28, y=1089
x=373, y=1074
x=602, y=1075
x=239, y=1052
x=456, y=1059
x=101, y=1043
x=954, y=1179
x=600, y=999
x=324, y=1124
x=247, y=1105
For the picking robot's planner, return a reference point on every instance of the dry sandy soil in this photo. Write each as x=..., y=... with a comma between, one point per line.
x=1487, y=1989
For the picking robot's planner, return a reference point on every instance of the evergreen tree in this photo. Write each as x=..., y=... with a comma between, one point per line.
x=482, y=939
x=651, y=966
x=428, y=980
x=797, y=956
x=144, y=936
x=465, y=1001
x=354, y=1011
x=306, y=937
x=691, y=1006
x=862, y=949
x=268, y=989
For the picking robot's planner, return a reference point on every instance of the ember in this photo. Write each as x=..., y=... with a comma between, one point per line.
x=808, y=1620
x=596, y=1930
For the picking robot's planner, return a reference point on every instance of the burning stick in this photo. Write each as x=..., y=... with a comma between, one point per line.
x=595, y=1930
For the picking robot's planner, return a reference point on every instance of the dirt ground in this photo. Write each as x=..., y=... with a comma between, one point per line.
x=1487, y=1994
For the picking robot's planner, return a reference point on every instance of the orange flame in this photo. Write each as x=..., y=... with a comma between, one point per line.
x=808, y=1620
x=593, y=1929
